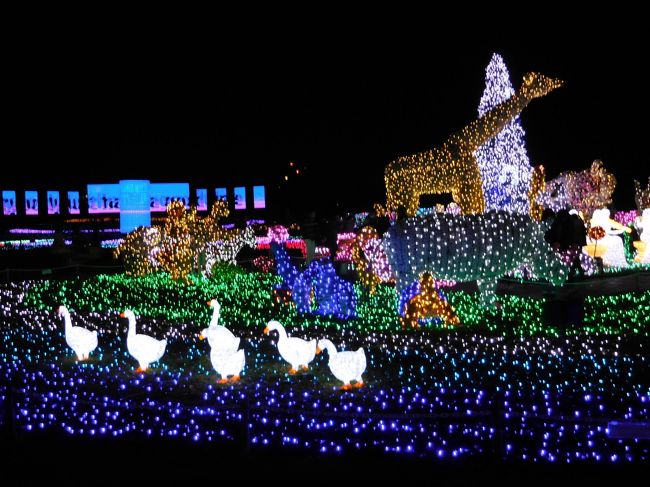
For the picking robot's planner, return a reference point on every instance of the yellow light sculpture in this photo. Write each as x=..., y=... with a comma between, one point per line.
x=641, y=196
x=428, y=304
x=367, y=277
x=453, y=166
x=537, y=185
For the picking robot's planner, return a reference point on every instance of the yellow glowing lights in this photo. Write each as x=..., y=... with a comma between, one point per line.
x=428, y=304
x=537, y=185
x=453, y=166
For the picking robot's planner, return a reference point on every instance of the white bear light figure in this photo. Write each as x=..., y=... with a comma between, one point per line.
x=79, y=339
x=345, y=366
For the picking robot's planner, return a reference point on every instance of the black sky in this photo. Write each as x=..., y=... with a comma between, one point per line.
x=234, y=113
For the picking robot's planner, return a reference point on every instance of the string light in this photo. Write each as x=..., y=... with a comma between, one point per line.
x=453, y=167
x=503, y=160
x=428, y=303
x=584, y=191
x=468, y=248
x=641, y=196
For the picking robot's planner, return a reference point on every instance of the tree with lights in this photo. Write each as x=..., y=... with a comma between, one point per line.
x=503, y=160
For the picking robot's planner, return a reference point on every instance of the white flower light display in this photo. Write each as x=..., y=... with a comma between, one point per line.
x=79, y=339
x=614, y=255
x=503, y=160
x=298, y=352
x=144, y=348
x=345, y=366
x=471, y=247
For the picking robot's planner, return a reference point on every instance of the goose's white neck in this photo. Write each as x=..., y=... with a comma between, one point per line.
x=131, y=319
x=329, y=346
x=215, y=317
x=281, y=331
x=66, y=319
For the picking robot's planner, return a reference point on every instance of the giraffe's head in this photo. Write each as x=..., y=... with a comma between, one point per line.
x=537, y=85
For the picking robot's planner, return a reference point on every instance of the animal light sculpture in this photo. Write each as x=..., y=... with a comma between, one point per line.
x=345, y=366
x=468, y=248
x=298, y=352
x=453, y=166
x=428, y=303
x=144, y=348
x=79, y=339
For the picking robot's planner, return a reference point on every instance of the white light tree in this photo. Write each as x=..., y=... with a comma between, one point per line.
x=503, y=160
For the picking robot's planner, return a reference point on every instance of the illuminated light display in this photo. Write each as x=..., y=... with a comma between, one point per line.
x=259, y=197
x=103, y=198
x=73, y=203
x=345, y=366
x=184, y=243
x=367, y=277
x=626, y=218
x=201, y=199
x=609, y=246
x=453, y=167
x=643, y=245
x=503, y=160
x=9, y=203
x=428, y=303
x=226, y=250
x=584, y=191
x=544, y=397
x=134, y=204
x=53, y=203
x=641, y=196
x=317, y=289
x=227, y=364
x=537, y=186
x=219, y=337
x=467, y=248
x=139, y=250
x=344, y=243
x=144, y=348
x=298, y=352
x=240, y=198
x=221, y=194
x=79, y=339
x=31, y=202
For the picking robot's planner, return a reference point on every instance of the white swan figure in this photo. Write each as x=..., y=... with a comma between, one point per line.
x=345, y=366
x=219, y=336
x=298, y=352
x=227, y=363
x=79, y=339
x=143, y=348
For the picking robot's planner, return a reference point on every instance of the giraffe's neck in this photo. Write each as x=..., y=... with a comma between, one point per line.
x=480, y=131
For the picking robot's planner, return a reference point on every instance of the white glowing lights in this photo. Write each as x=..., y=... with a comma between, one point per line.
x=79, y=339
x=503, y=160
x=345, y=366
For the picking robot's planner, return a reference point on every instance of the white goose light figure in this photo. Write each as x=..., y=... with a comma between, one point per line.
x=345, y=366
x=298, y=352
x=79, y=339
x=144, y=348
x=219, y=336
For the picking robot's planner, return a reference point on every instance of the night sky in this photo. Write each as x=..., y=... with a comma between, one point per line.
x=237, y=115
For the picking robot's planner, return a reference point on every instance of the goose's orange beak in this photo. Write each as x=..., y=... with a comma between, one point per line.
x=209, y=303
x=266, y=330
x=122, y=315
x=318, y=350
x=201, y=337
